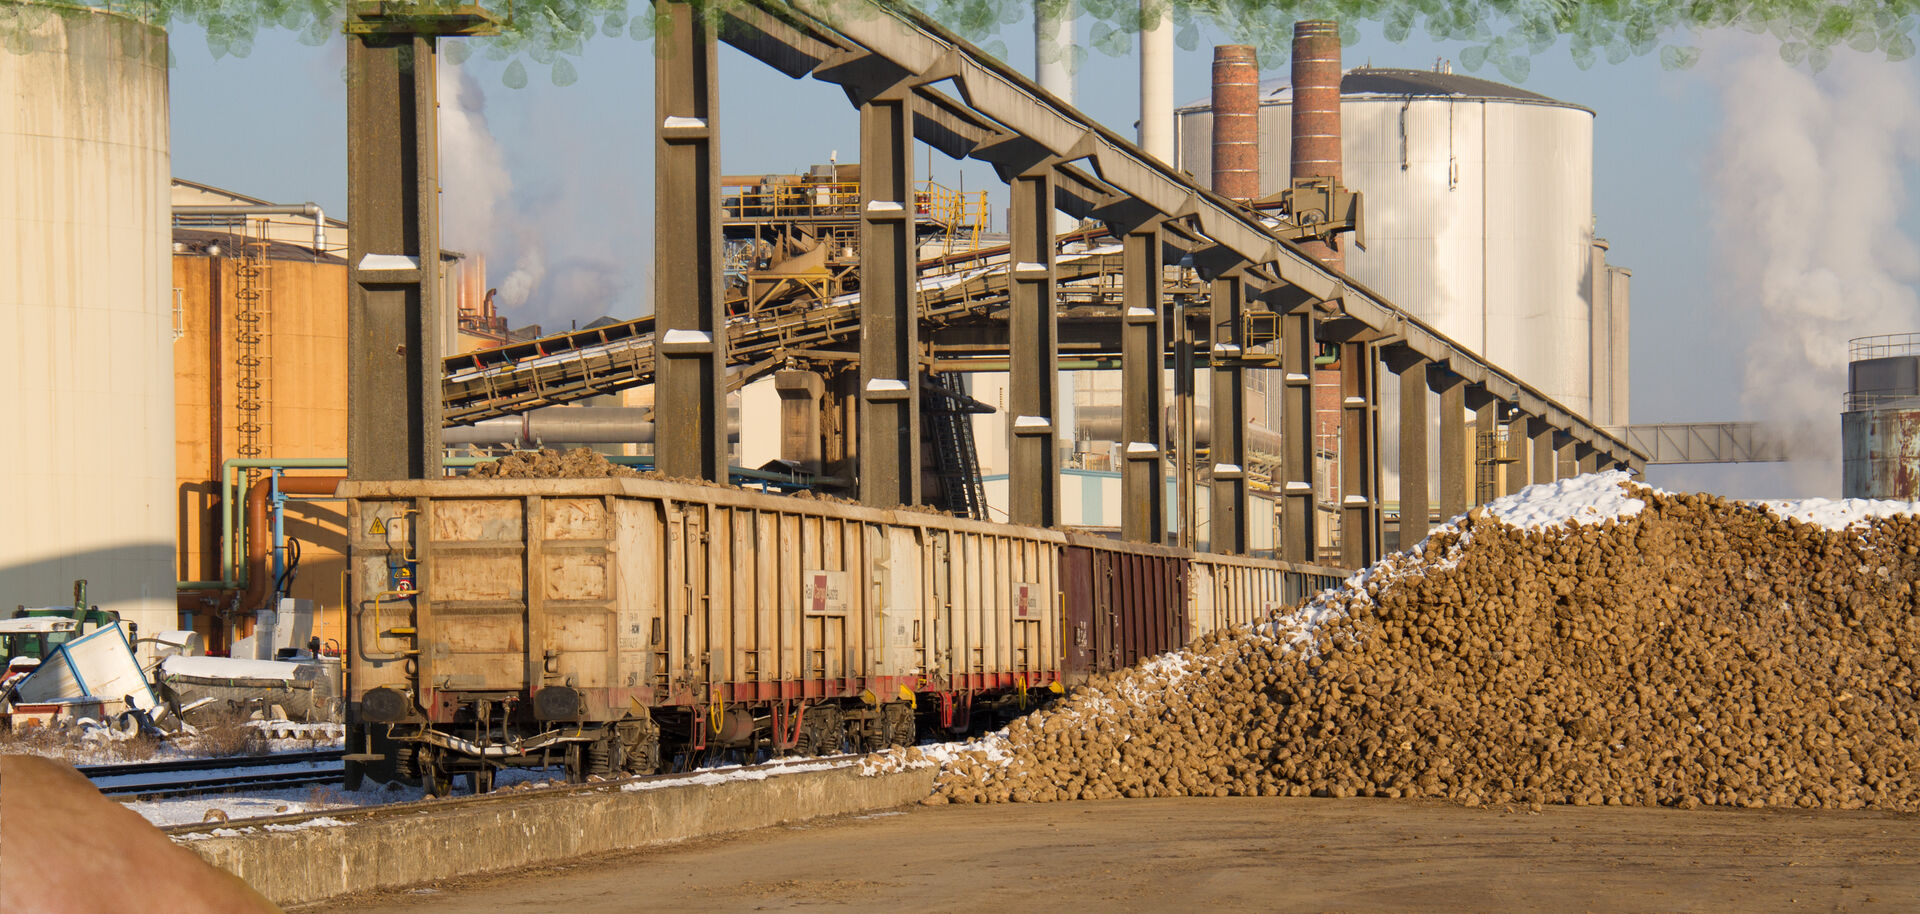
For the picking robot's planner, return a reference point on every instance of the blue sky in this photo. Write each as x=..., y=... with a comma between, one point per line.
x=570, y=194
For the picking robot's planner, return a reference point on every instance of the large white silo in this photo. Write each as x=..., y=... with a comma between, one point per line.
x=1479, y=212
x=85, y=316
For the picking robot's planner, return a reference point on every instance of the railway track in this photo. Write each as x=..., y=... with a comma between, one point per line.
x=190, y=777
x=515, y=793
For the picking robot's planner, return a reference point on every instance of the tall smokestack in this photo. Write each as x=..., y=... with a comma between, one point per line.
x=1236, y=122
x=1316, y=113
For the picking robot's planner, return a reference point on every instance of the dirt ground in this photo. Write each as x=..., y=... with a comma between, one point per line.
x=1241, y=854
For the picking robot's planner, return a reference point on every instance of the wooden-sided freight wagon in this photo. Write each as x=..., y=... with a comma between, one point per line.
x=616, y=625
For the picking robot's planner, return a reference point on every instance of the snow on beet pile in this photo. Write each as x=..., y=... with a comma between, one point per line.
x=1584, y=642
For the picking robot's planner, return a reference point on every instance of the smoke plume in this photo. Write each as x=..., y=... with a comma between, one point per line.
x=1808, y=194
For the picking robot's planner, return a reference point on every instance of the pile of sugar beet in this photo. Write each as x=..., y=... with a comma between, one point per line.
x=1700, y=651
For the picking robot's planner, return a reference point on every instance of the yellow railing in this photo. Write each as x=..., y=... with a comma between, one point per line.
x=963, y=217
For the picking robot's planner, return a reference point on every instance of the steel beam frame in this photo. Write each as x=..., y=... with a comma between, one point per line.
x=1033, y=482
x=1226, y=448
x=393, y=258
x=690, y=339
x=1143, y=346
x=1011, y=106
x=889, y=420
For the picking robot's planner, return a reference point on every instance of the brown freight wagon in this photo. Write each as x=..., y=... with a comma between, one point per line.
x=608, y=624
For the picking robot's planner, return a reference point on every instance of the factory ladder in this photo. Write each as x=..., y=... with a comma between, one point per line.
x=948, y=414
x=252, y=326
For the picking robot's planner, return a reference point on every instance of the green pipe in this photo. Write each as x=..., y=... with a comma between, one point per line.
x=233, y=520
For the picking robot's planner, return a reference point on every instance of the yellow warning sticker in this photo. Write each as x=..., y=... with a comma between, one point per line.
x=379, y=528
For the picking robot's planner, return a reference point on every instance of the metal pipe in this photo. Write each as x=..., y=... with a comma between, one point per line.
x=259, y=581
x=1236, y=121
x=1103, y=423
x=233, y=574
x=1156, y=79
x=566, y=425
x=266, y=209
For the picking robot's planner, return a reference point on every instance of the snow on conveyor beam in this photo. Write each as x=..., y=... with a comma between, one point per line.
x=791, y=33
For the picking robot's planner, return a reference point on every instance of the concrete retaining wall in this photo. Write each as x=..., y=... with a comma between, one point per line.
x=390, y=851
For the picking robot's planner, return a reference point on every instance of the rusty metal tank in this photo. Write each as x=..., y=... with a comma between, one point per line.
x=1880, y=431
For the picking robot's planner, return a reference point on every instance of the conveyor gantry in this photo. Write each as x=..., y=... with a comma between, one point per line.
x=572, y=366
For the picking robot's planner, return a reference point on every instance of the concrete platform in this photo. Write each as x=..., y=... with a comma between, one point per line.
x=374, y=849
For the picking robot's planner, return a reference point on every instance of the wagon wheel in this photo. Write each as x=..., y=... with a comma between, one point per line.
x=434, y=777
x=576, y=764
x=822, y=733
x=897, y=725
x=644, y=757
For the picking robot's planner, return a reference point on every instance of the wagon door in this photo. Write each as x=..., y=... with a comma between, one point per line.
x=1076, y=586
x=899, y=587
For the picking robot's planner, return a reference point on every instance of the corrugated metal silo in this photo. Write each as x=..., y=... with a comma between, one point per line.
x=1479, y=211
x=85, y=320
x=1880, y=431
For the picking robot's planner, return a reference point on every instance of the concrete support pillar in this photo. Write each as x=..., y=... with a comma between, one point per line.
x=1412, y=458
x=1486, y=421
x=889, y=316
x=393, y=259
x=1226, y=448
x=1519, y=468
x=690, y=341
x=1540, y=447
x=1143, y=488
x=1589, y=460
x=1298, y=514
x=1565, y=460
x=1033, y=483
x=1456, y=480
x=1359, y=455
x=800, y=439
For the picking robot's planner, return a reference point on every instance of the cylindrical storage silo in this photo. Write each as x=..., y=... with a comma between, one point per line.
x=1880, y=431
x=85, y=331
x=1479, y=210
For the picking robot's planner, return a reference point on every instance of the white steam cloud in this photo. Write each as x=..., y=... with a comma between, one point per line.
x=1808, y=193
x=481, y=214
x=473, y=170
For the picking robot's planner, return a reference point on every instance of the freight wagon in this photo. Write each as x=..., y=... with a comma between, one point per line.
x=616, y=625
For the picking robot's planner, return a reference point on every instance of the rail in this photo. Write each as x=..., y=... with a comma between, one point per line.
x=191, y=777
x=387, y=810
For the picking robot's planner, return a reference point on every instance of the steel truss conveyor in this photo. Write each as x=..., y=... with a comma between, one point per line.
x=566, y=367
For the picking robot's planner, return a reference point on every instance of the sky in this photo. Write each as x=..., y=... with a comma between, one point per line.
x=1768, y=214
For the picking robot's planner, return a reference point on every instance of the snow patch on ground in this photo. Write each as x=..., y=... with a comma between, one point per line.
x=253, y=805
x=711, y=776
x=1588, y=499
x=319, y=822
x=1839, y=513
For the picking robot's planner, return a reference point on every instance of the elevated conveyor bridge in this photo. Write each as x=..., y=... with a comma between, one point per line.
x=912, y=80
